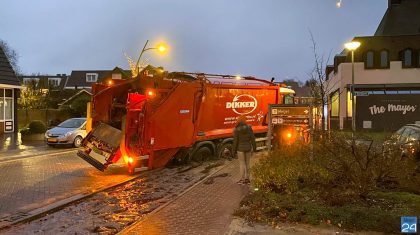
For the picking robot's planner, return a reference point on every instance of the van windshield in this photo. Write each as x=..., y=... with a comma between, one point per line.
x=71, y=123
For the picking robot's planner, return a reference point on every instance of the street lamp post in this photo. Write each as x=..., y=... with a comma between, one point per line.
x=160, y=48
x=352, y=46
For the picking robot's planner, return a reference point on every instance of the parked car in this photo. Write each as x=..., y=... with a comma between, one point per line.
x=70, y=132
x=406, y=141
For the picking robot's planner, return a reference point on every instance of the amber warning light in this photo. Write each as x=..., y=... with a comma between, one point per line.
x=150, y=94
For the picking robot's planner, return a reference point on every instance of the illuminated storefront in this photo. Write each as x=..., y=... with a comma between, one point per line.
x=386, y=74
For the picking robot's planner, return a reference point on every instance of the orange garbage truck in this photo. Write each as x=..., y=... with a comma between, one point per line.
x=149, y=121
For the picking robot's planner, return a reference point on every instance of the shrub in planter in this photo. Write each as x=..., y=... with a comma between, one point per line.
x=34, y=127
x=34, y=132
x=362, y=165
x=288, y=170
x=37, y=127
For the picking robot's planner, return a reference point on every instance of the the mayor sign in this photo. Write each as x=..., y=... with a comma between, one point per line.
x=404, y=109
x=387, y=112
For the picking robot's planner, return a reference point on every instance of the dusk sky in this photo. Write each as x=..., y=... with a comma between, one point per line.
x=263, y=38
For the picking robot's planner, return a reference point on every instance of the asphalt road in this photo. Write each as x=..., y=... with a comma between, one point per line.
x=33, y=182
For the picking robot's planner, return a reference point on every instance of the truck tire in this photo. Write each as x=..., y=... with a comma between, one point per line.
x=225, y=151
x=202, y=154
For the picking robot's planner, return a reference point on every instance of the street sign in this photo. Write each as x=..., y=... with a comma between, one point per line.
x=297, y=117
x=296, y=121
x=290, y=121
x=290, y=111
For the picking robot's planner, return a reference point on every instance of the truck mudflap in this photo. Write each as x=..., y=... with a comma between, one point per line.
x=103, y=142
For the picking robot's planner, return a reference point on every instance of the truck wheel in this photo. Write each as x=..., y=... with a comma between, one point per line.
x=78, y=141
x=225, y=151
x=202, y=154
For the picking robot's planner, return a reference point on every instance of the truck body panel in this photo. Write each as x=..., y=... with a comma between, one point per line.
x=160, y=117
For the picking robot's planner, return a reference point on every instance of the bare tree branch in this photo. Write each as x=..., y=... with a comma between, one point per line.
x=318, y=79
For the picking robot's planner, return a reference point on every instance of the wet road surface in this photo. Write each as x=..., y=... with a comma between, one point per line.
x=33, y=182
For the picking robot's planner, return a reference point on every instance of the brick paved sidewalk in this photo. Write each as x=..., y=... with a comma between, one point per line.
x=31, y=183
x=206, y=209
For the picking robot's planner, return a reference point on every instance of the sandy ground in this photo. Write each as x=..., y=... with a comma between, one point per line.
x=110, y=211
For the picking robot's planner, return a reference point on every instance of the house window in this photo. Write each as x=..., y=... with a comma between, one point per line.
x=335, y=104
x=370, y=57
x=54, y=81
x=116, y=76
x=91, y=77
x=27, y=81
x=384, y=59
x=408, y=58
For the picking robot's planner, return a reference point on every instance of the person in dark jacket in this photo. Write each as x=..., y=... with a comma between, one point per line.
x=243, y=145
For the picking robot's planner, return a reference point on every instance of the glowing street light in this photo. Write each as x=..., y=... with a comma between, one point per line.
x=160, y=47
x=352, y=46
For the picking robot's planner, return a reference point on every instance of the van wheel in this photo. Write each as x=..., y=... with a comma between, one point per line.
x=225, y=151
x=203, y=154
x=78, y=141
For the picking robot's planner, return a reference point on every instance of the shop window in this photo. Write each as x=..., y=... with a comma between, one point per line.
x=370, y=58
x=384, y=59
x=335, y=104
x=8, y=93
x=6, y=104
x=8, y=108
x=1, y=109
x=349, y=104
